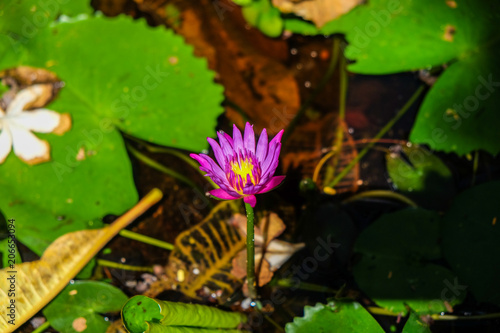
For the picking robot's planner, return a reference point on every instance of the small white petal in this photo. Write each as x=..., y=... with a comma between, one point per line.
x=39, y=120
x=28, y=147
x=5, y=144
x=24, y=97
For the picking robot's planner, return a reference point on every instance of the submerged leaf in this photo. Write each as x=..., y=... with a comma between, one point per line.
x=397, y=266
x=420, y=175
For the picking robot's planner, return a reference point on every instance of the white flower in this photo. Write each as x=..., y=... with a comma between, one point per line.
x=16, y=125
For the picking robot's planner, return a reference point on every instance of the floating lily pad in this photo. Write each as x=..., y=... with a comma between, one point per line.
x=396, y=266
x=81, y=307
x=340, y=316
x=459, y=118
x=471, y=244
x=142, y=85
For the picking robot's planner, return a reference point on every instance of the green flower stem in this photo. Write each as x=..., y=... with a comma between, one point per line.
x=314, y=94
x=250, y=252
x=382, y=194
x=337, y=147
x=160, y=167
x=380, y=134
x=118, y=265
x=42, y=327
x=174, y=152
x=146, y=239
x=288, y=283
x=182, y=156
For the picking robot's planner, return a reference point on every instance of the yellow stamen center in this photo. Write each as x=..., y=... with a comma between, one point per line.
x=243, y=168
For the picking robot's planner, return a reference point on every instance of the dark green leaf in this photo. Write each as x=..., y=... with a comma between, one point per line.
x=396, y=266
x=471, y=243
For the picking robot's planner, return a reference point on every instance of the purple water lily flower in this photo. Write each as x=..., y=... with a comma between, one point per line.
x=242, y=170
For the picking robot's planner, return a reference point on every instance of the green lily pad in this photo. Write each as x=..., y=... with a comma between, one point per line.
x=471, y=244
x=81, y=307
x=396, y=266
x=459, y=118
x=340, y=316
x=420, y=175
x=142, y=85
x=463, y=118
x=457, y=34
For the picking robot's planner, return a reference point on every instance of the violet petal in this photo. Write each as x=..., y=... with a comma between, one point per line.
x=200, y=160
x=262, y=147
x=249, y=138
x=237, y=139
x=227, y=148
x=272, y=183
x=217, y=152
x=251, y=200
x=221, y=194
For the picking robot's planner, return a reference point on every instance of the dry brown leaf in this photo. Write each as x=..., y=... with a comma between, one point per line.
x=37, y=283
x=270, y=227
x=274, y=251
x=317, y=11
